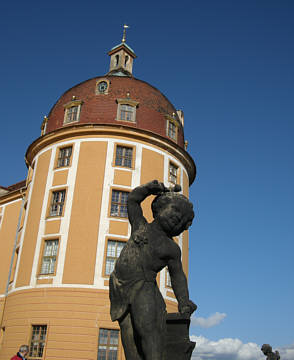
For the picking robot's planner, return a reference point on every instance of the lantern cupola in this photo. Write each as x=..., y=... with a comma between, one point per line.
x=121, y=58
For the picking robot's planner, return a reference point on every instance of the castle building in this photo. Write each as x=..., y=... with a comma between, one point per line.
x=62, y=229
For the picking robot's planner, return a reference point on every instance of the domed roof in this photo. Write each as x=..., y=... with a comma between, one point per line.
x=98, y=101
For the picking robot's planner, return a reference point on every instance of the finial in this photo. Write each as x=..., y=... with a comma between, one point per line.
x=124, y=33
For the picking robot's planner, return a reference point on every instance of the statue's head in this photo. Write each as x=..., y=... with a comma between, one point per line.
x=266, y=349
x=173, y=211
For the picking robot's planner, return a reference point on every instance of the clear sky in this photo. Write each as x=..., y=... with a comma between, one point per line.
x=229, y=65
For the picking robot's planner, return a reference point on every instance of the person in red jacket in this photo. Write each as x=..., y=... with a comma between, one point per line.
x=22, y=353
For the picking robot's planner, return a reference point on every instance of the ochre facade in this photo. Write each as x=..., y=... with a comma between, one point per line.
x=72, y=205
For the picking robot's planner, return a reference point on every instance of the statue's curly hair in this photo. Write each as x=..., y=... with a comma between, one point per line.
x=266, y=347
x=163, y=199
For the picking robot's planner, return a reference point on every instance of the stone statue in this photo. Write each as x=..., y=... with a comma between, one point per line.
x=136, y=301
x=268, y=352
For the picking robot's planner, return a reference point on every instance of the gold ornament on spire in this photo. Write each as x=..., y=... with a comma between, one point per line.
x=124, y=33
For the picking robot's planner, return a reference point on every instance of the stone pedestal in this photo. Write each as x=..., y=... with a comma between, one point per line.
x=178, y=344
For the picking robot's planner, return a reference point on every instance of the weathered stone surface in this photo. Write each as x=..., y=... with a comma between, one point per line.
x=270, y=355
x=178, y=345
x=136, y=302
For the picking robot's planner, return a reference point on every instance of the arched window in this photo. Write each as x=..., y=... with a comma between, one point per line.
x=126, y=60
x=116, y=60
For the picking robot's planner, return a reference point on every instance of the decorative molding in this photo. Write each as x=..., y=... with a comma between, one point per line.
x=81, y=130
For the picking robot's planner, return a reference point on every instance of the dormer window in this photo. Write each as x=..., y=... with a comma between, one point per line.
x=171, y=128
x=126, y=113
x=126, y=110
x=72, y=111
x=71, y=114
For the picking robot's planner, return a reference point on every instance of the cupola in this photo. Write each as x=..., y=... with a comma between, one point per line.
x=121, y=58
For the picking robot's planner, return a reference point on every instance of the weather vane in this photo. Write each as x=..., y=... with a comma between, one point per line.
x=124, y=33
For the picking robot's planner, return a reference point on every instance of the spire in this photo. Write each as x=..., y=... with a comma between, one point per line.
x=124, y=33
x=121, y=57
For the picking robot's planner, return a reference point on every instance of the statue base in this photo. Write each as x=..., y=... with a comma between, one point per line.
x=178, y=344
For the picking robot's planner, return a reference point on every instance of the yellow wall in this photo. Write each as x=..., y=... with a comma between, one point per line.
x=33, y=221
x=73, y=318
x=84, y=224
x=7, y=237
x=152, y=167
x=73, y=315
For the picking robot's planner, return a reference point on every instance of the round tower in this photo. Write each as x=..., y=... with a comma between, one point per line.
x=102, y=138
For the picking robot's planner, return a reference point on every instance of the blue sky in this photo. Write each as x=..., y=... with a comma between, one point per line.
x=229, y=65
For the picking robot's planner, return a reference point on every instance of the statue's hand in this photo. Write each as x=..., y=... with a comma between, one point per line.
x=155, y=187
x=188, y=308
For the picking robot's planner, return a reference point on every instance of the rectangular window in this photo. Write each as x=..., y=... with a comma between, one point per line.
x=72, y=114
x=37, y=343
x=124, y=156
x=57, y=203
x=108, y=344
x=173, y=173
x=126, y=112
x=49, y=257
x=64, y=156
x=172, y=130
x=114, y=249
x=119, y=203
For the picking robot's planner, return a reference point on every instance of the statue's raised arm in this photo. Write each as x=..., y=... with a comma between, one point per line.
x=139, y=194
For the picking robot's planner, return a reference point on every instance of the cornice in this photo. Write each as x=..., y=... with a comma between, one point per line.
x=12, y=196
x=79, y=130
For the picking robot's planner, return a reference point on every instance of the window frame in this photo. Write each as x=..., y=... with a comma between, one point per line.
x=70, y=105
x=177, y=176
x=106, y=250
x=133, y=155
x=110, y=203
x=108, y=344
x=50, y=202
x=169, y=122
x=172, y=120
x=30, y=357
x=57, y=157
x=40, y=273
x=97, y=92
x=129, y=102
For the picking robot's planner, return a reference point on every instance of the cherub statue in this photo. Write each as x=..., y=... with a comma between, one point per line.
x=136, y=301
x=268, y=352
